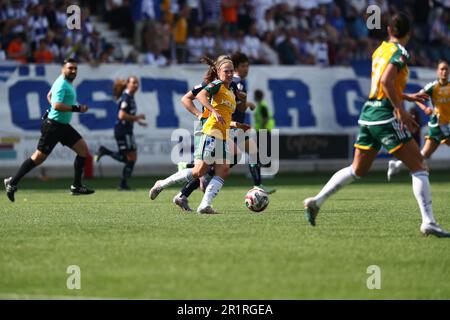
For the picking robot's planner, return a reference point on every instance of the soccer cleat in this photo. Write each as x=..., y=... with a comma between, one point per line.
x=311, y=210
x=268, y=190
x=434, y=229
x=81, y=190
x=100, y=153
x=392, y=169
x=10, y=189
x=206, y=210
x=182, y=202
x=155, y=190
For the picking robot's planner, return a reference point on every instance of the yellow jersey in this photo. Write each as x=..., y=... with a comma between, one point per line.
x=440, y=97
x=378, y=109
x=223, y=101
x=388, y=53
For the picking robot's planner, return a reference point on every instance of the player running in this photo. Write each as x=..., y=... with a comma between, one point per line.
x=181, y=199
x=220, y=100
x=124, y=91
x=384, y=122
x=439, y=124
x=241, y=69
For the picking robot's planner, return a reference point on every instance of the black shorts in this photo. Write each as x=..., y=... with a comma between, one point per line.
x=125, y=141
x=53, y=132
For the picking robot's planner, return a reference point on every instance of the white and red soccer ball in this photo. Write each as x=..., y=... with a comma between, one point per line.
x=256, y=199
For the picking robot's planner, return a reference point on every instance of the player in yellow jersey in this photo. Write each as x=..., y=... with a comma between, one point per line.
x=181, y=199
x=384, y=122
x=220, y=100
x=439, y=124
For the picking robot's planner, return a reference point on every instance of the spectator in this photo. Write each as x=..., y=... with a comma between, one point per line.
x=2, y=53
x=338, y=21
x=268, y=54
x=133, y=57
x=17, y=49
x=17, y=17
x=37, y=25
x=268, y=23
x=252, y=45
x=155, y=58
x=209, y=42
x=118, y=13
x=53, y=46
x=60, y=17
x=107, y=56
x=194, y=18
x=195, y=46
x=286, y=49
x=180, y=34
x=43, y=54
x=165, y=38
x=230, y=15
x=149, y=41
x=318, y=48
x=245, y=15
x=227, y=43
x=211, y=12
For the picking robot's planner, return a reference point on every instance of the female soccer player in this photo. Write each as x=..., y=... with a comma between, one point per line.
x=241, y=69
x=181, y=199
x=220, y=100
x=439, y=125
x=124, y=91
x=384, y=121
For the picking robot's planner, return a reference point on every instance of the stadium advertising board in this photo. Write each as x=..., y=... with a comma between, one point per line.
x=305, y=101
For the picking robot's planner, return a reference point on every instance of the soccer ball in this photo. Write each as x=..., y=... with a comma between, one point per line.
x=256, y=199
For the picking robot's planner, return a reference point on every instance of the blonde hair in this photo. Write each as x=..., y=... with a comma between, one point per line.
x=214, y=66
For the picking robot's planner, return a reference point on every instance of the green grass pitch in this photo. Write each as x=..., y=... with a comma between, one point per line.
x=129, y=247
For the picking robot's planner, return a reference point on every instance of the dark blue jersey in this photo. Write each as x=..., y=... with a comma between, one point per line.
x=240, y=85
x=127, y=104
x=196, y=90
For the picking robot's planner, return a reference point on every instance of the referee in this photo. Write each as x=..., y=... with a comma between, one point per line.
x=56, y=128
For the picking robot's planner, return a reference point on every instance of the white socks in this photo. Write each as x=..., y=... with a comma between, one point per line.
x=337, y=181
x=420, y=184
x=180, y=176
x=422, y=192
x=398, y=164
x=211, y=191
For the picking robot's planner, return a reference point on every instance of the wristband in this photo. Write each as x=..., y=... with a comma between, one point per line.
x=76, y=108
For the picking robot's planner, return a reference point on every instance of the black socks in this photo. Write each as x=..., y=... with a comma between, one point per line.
x=79, y=167
x=26, y=167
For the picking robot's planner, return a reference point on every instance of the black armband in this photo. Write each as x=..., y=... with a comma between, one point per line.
x=76, y=108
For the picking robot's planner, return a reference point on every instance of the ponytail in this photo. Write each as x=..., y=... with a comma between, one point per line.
x=118, y=87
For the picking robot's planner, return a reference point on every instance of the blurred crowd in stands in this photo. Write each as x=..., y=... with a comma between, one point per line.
x=164, y=32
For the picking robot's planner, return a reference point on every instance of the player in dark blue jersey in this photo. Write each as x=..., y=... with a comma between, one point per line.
x=124, y=91
x=241, y=68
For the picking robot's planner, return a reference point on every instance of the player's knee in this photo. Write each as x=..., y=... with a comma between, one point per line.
x=38, y=157
x=131, y=156
x=199, y=171
x=224, y=172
